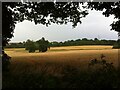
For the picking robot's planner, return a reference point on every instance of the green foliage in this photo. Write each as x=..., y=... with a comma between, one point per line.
x=76, y=42
x=95, y=39
x=101, y=65
x=30, y=46
x=84, y=41
x=117, y=45
x=104, y=74
x=40, y=45
x=15, y=45
x=110, y=8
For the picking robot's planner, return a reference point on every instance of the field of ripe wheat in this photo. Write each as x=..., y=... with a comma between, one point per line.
x=76, y=56
x=57, y=67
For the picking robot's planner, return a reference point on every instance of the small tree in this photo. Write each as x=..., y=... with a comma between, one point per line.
x=27, y=44
x=95, y=39
x=30, y=46
x=43, y=45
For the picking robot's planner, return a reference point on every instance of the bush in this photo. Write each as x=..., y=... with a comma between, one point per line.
x=31, y=50
x=40, y=45
x=42, y=48
x=116, y=46
x=30, y=46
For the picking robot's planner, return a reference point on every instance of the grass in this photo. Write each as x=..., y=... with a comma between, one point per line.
x=69, y=54
x=55, y=69
x=88, y=47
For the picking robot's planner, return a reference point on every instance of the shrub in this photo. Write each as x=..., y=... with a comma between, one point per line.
x=116, y=46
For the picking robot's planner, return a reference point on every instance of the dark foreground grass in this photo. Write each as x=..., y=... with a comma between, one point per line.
x=100, y=74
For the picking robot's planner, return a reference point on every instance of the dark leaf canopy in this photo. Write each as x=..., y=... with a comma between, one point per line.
x=108, y=8
x=41, y=13
x=49, y=12
x=53, y=12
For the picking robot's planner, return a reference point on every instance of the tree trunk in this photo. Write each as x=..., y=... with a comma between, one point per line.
x=118, y=51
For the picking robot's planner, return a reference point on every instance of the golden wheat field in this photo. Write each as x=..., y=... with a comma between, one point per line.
x=56, y=58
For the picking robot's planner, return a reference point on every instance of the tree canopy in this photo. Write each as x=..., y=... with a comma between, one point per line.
x=41, y=13
x=108, y=8
x=53, y=12
x=40, y=45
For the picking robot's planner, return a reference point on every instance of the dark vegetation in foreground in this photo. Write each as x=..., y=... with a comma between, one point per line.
x=100, y=74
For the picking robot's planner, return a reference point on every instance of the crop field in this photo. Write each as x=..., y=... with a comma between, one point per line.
x=52, y=68
x=78, y=56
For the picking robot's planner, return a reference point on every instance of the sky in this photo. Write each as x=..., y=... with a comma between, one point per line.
x=94, y=25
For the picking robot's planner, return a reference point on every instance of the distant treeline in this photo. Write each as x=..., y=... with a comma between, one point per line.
x=83, y=41
x=77, y=42
x=16, y=45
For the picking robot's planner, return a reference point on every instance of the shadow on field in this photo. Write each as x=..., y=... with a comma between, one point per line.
x=100, y=74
